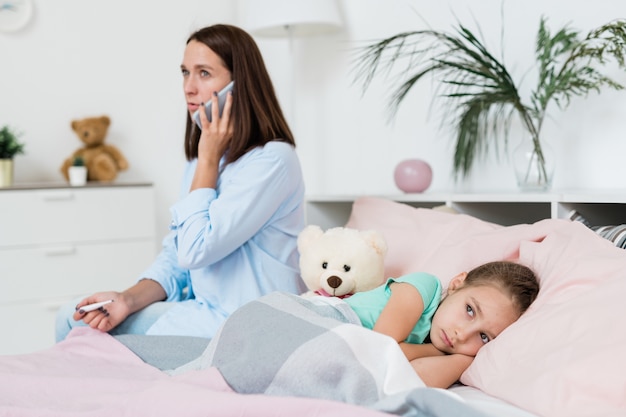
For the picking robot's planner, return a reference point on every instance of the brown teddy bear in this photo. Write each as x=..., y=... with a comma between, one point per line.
x=103, y=162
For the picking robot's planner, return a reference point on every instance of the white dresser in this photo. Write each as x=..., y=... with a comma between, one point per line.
x=59, y=242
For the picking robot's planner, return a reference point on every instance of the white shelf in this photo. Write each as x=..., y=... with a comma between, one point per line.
x=600, y=207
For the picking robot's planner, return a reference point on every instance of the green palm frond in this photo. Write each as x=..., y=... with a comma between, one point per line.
x=566, y=64
x=476, y=85
x=480, y=95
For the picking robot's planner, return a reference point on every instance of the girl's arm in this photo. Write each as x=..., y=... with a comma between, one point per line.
x=401, y=313
x=414, y=351
x=398, y=318
x=441, y=371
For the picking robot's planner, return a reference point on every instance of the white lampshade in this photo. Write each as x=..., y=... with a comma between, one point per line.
x=276, y=18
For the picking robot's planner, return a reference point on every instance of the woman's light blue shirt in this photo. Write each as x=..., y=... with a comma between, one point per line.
x=232, y=244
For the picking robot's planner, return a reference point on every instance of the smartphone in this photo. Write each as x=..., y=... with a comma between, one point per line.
x=221, y=100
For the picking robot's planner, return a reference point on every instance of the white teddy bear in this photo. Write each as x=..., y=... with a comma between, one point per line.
x=341, y=261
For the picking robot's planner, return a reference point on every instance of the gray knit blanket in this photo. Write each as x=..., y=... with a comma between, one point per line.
x=287, y=345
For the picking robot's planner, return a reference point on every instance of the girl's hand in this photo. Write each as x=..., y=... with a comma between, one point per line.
x=441, y=371
x=106, y=317
x=216, y=135
x=414, y=351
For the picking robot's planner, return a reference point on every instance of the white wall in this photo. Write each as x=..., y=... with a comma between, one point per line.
x=84, y=58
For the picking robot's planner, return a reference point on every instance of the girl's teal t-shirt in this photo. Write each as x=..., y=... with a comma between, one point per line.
x=369, y=304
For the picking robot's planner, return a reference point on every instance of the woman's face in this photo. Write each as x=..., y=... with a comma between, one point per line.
x=469, y=317
x=203, y=74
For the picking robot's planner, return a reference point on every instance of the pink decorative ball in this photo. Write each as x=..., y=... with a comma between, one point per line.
x=413, y=175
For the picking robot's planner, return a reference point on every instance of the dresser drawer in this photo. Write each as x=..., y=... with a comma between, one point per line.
x=27, y=327
x=73, y=215
x=52, y=271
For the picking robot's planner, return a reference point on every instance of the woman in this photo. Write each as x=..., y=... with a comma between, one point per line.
x=235, y=226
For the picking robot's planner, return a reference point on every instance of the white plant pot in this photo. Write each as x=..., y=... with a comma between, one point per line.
x=78, y=176
x=6, y=172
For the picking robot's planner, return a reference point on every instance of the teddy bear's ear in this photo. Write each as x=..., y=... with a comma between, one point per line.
x=376, y=240
x=105, y=120
x=74, y=124
x=309, y=234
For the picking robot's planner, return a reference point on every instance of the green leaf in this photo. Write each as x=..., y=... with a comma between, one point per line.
x=9, y=144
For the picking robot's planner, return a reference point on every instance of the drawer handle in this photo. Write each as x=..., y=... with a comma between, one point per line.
x=62, y=251
x=58, y=196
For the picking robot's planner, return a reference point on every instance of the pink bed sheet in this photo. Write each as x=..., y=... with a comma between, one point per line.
x=92, y=374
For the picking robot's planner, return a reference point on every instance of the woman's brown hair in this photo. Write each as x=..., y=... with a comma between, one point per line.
x=256, y=112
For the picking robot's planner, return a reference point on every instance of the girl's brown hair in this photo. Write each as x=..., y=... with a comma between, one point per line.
x=517, y=280
x=257, y=114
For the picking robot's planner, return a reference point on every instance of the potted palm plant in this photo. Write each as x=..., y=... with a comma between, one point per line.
x=481, y=95
x=9, y=147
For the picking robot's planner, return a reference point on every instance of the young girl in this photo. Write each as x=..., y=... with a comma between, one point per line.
x=441, y=337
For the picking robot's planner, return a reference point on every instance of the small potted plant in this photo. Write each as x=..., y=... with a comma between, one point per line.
x=9, y=147
x=78, y=172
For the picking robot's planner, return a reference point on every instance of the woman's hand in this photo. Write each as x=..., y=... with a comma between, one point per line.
x=214, y=141
x=106, y=317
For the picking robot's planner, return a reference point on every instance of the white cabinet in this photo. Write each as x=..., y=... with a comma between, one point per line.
x=599, y=207
x=60, y=242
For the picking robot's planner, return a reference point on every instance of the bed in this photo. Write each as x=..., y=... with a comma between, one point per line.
x=563, y=357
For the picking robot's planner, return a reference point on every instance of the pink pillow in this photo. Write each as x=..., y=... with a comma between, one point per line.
x=564, y=357
x=438, y=242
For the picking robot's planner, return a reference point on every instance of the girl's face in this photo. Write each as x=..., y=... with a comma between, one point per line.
x=203, y=74
x=470, y=316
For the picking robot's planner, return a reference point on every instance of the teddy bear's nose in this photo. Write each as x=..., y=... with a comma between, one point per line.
x=334, y=281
